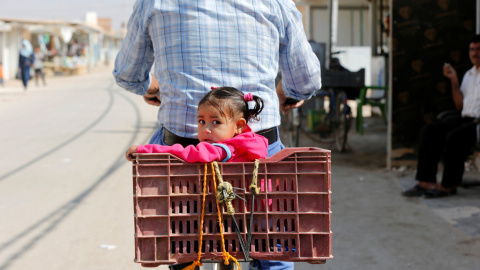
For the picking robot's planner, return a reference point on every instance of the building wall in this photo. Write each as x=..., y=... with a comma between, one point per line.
x=99, y=45
x=353, y=26
x=2, y=49
x=11, y=46
x=425, y=35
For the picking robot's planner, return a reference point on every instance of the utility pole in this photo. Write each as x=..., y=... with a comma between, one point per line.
x=333, y=26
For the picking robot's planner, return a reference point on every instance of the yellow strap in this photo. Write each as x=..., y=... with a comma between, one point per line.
x=225, y=254
x=253, y=187
x=197, y=261
x=217, y=170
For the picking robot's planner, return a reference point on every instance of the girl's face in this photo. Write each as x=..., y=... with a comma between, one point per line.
x=213, y=127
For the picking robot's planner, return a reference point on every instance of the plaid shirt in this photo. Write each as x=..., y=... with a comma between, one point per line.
x=204, y=43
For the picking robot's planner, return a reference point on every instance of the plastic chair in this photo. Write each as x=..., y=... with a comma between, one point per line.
x=363, y=100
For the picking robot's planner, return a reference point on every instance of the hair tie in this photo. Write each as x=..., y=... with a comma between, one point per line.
x=248, y=97
x=213, y=87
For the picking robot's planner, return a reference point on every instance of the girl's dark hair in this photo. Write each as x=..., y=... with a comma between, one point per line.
x=230, y=102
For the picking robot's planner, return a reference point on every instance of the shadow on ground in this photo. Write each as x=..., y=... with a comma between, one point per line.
x=368, y=151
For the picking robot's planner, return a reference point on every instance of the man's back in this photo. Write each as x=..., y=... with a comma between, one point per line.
x=205, y=43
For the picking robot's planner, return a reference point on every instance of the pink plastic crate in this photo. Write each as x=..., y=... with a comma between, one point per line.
x=291, y=212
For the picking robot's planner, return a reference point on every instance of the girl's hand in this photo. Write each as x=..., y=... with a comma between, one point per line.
x=130, y=152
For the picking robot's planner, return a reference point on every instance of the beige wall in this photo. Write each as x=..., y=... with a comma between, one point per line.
x=353, y=25
x=305, y=10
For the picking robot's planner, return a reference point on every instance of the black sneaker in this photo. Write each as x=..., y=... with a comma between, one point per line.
x=415, y=191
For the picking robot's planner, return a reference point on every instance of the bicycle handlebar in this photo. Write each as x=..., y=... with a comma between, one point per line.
x=291, y=101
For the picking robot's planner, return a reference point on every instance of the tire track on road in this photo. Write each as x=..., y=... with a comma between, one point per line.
x=65, y=143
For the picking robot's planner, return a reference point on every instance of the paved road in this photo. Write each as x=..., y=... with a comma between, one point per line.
x=65, y=187
x=66, y=193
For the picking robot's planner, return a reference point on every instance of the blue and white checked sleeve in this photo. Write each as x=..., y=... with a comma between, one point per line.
x=301, y=73
x=135, y=59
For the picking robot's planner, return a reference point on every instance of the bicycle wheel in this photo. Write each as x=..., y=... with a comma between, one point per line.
x=343, y=119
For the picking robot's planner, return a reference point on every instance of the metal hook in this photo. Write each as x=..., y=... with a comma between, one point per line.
x=239, y=197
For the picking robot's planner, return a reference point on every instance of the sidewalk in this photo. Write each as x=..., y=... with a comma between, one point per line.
x=374, y=227
x=461, y=211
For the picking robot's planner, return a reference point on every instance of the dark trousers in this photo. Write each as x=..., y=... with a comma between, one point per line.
x=452, y=140
x=39, y=73
x=25, y=75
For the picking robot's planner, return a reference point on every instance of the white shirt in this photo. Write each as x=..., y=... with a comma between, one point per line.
x=470, y=89
x=38, y=62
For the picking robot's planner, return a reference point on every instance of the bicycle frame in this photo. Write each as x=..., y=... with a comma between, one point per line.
x=335, y=123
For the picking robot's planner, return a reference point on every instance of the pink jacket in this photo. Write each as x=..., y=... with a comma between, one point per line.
x=247, y=146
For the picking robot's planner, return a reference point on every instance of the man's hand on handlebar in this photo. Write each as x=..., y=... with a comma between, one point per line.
x=289, y=104
x=152, y=97
x=285, y=102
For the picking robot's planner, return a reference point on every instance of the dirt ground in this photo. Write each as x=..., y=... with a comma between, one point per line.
x=368, y=151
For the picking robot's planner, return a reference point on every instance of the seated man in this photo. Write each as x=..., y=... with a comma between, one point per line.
x=451, y=139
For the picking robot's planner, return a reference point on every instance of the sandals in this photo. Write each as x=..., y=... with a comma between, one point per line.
x=418, y=191
x=436, y=193
x=415, y=191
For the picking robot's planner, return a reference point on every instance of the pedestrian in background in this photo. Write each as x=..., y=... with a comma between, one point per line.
x=25, y=61
x=38, y=66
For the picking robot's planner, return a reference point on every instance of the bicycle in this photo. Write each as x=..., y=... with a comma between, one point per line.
x=331, y=121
